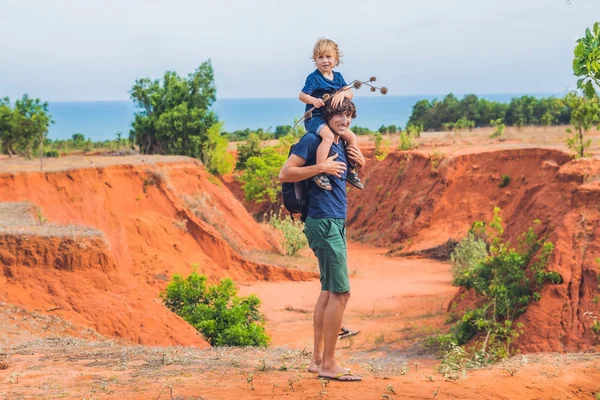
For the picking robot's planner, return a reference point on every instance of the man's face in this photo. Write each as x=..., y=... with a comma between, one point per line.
x=339, y=124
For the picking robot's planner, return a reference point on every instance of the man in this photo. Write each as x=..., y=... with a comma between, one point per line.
x=325, y=229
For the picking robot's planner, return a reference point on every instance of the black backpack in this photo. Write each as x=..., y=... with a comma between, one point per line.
x=295, y=195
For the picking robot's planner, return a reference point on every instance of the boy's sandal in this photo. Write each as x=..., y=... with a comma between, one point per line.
x=322, y=181
x=353, y=179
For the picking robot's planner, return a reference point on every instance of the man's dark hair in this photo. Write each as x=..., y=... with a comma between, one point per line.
x=345, y=107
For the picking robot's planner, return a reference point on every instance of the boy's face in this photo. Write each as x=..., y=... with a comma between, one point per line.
x=326, y=62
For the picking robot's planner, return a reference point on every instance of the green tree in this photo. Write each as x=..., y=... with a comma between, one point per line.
x=29, y=125
x=214, y=151
x=414, y=130
x=250, y=148
x=7, y=137
x=260, y=178
x=174, y=115
x=420, y=113
x=585, y=113
x=499, y=132
x=223, y=318
x=547, y=118
x=282, y=130
x=586, y=64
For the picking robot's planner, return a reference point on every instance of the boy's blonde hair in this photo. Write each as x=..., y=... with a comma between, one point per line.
x=326, y=45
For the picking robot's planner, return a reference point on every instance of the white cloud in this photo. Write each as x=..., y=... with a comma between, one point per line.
x=87, y=50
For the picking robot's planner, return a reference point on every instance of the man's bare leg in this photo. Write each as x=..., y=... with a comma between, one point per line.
x=332, y=322
x=318, y=330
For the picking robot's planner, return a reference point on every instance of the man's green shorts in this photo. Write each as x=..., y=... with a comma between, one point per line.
x=327, y=239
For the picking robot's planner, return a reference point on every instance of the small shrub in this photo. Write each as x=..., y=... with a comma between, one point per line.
x=155, y=178
x=181, y=224
x=499, y=132
x=405, y=141
x=454, y=364
x=468, y=253
x=434, y=158
x=293, y=233
x=414, y=130
x=214, y=180
x=504, y=181
x=52, y=154
x=223, y=318
x=381, y=147
x=596, y=327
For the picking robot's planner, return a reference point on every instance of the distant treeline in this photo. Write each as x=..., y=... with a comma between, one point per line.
x=80, y=144
x=449, y=113
x=284, y=130
x=524, y=110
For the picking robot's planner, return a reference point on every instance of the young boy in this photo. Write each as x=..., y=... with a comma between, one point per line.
x=324, y=80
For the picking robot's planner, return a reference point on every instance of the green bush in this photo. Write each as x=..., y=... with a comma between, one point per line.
x=52, y=154
x=293, y=233
x=499, y=132
x=250, y=148
x=506, y=281
x=405, y=141
x=504, y=181
x=414, y=130
x=223, y=318
x=468, y=253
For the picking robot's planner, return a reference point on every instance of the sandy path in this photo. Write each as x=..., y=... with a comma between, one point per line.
x=388, y=295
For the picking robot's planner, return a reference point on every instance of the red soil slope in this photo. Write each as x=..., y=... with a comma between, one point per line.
x=416, y=201
x=112, y=283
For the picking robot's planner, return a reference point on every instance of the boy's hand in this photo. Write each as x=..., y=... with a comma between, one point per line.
x=318, y=103
x=337, y=99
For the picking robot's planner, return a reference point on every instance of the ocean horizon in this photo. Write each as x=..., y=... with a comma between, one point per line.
x=101, y=120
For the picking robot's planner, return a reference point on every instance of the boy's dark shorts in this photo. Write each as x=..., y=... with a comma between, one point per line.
x=314, y=125
x=327, y=239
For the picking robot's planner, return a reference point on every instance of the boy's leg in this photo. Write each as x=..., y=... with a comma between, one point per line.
x=350, y=138
x=325, y=145
x=322, y=180
x=352, y=176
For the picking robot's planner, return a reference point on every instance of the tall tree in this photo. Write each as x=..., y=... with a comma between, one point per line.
x=7, y=138
x=585, y=113
x=174, y=115
x=586, y=64
x=29, y=125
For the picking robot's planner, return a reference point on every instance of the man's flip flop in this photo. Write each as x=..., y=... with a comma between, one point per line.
x=317, y=371
x=344, y=333
x=346, y=377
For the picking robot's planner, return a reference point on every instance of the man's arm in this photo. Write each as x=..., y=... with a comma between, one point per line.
x=294, y=170
x=356, y=156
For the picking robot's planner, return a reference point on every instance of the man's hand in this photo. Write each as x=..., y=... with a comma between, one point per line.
x=318, y=103
x=356, y=156
x=337, y=99
x=331, y=167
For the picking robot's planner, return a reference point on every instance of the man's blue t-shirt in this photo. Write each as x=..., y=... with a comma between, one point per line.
x=317, y=85
x=324, y=203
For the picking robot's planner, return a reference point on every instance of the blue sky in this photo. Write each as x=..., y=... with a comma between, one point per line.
x=70, y=50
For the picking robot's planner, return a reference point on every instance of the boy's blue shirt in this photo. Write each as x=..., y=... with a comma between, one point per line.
x=324, y=203
x=317, y=85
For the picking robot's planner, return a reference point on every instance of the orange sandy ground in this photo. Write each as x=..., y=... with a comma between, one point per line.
x=396, y=303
